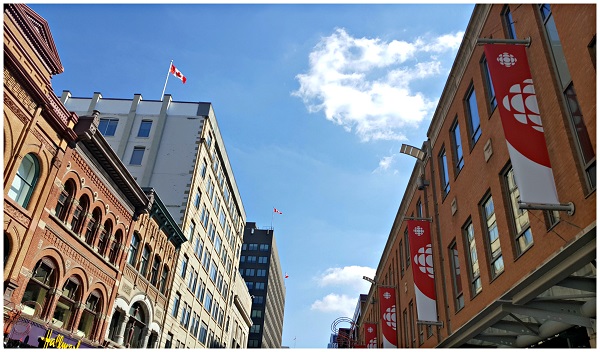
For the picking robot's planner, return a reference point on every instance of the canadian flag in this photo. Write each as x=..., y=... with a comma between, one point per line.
x=286, y=275
x=277, y=211
x=178, y=73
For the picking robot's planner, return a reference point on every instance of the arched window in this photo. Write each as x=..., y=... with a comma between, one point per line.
x=36, y=295
x=133, y=249
x=64, y=200
x=25, y=180
x=137, y=323
x=79, y=214
x=92, y=226
x=163, y=279
x=91, y=315
x=114, y=247
x=155, y=268
x=144, y=260
x=66, y=306
x=104, y=237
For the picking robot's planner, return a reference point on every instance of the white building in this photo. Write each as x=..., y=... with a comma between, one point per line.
x=176, y=148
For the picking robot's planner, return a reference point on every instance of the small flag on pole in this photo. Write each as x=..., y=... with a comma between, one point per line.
x=286, y=275
x=277, y=211
x=177, y=73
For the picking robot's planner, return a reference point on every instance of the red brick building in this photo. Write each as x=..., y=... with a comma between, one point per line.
x=504, y=276
x=71, y=213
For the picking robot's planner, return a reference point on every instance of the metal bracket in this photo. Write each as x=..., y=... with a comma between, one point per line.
x=568, y=207
x=415, y=218
x=425, y=322
x=526, y=42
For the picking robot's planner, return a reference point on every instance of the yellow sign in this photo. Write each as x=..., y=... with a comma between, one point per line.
x=57, y=342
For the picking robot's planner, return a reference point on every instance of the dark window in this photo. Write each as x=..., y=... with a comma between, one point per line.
x=108, y=126
x=406, y=248
x=64, y=200
x=155, y=268
x=133, y=249
x=491, y=94
x=92, y=227
x=137, y=156
x=444, y=175
x=37, y=295
x=145, y=127
x=184, y=264
x=163, y=279
x=509, y=24
x=459, y=300
x=473, y=116
x=176, y=302
x=459, y=160
x=78, y=214
x=144, y=260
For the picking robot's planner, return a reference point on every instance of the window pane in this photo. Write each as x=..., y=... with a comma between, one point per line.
x=137, y=155
x=473, y=116
x=108, y=127
x=145, y=127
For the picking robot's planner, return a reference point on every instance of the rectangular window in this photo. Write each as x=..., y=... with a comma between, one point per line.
x=108, y=126
x=263, y=260
x=401, y=259
x=251, y=259
x=495, y=252
x=201, y=290
x=264, y=247
x=261, y=272
x=419, y=209
x=145, y=127
x=406, y=248
x=192, y=229
x=184, y=264
x=459, y=160
x=213, y=271
x=582, y=138
x=405, y=321
x=444, y=175
x=208, y=301
x=260, y=286
x=473, y=116
x=459, y=301
x=197, y=199
x=491, y=94
x=249, y=272
x=474, y=271
x=411, y=313
x=552, y=218
x=203, y=333
x=523, y=237
x=137, y=156
x=206, y=260
x=176, y=302
x=509, y=24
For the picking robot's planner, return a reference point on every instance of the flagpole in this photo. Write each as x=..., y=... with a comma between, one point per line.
x=272, y=214
x=166, y=80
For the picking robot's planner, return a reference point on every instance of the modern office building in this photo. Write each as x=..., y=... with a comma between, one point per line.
x=504, y=270
x=177, y=149
x=260, y=267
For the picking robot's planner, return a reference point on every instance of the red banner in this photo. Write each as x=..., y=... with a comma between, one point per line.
x=387, y=313
x=521, y=122
x=419, y=236
x=371, y=335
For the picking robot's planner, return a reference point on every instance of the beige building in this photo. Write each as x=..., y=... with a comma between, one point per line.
x=176, y=148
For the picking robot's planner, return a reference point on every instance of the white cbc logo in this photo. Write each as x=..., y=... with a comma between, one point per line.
x=506, y=59
x=419, y=231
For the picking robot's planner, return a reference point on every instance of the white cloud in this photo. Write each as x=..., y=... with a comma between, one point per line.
x=347, y=276
x=364, y=84
x=336, y=303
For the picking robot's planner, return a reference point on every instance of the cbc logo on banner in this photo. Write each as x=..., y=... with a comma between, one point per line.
x=424, y=260
x=372, y=343
x=390, y=317
x=419, y=231
x=521, y=99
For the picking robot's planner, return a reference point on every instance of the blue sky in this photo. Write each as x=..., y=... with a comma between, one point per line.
x=313, y=102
